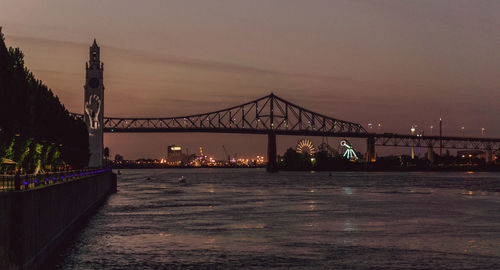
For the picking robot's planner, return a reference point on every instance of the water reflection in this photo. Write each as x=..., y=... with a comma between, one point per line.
x=347, y=190
x=348, y=225
x=469, y=193
x=312, y=205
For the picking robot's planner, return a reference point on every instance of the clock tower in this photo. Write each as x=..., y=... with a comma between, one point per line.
x=94, y=105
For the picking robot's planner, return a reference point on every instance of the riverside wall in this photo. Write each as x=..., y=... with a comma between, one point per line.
x=34, y=223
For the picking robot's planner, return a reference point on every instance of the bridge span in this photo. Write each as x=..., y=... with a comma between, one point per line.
x=272, y=115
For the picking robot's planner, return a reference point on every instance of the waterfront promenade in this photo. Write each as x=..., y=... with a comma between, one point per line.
x=12, y=182
x=40, y=212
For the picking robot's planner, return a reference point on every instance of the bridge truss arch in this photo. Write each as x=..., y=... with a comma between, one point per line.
x=269, y=114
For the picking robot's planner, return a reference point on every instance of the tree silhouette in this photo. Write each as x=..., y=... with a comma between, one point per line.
x=36, y=130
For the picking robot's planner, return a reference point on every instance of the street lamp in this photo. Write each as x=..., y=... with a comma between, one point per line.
x=482, y=132
x=431, y=128
x=462, y=130
x=412, y=130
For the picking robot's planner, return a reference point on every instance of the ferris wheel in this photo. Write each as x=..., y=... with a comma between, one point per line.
x=306, y=146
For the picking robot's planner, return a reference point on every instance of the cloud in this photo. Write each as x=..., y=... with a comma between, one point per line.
x=43, y=41
x=173, y=60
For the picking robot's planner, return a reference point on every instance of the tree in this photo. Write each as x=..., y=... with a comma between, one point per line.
x=106, y=153
x=32, y=119
x=106, y=156
x=118, y=158
x=294, y=161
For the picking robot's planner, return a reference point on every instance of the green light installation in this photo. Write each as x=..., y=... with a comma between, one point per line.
x=349, y=152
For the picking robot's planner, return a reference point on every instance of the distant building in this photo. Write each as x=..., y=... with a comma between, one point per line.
x=174, y=153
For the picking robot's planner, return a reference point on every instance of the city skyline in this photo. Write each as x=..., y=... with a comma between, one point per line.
x=218, y=55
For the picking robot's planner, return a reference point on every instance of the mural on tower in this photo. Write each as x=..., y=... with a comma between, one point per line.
x=94, y=105
x=92, y=108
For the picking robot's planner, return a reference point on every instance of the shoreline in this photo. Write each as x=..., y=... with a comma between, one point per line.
x=363, y=169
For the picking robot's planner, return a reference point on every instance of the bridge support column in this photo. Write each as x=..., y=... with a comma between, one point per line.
x=489, y=156
x=272, y=164
x=371, y=155
x=430, y=154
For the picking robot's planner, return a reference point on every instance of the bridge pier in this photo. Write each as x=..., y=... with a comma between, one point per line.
x=371, y=155
x=272, y=164
x=489, y=156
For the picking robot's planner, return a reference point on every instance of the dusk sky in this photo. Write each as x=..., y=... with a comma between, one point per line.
x=398, y=63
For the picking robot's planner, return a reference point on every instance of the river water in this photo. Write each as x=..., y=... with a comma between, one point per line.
x=248, y=219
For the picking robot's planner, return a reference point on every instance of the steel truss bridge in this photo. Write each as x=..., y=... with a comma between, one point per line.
x=389, y=139
x=260, y=116
x=273, y=116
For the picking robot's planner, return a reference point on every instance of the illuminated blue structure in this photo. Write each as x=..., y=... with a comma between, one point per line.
x=349, y=152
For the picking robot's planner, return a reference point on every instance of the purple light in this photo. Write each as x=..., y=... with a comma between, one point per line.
x=36, y=181
x=25, y=183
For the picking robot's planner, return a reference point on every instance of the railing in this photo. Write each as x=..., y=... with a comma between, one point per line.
x=32, y=181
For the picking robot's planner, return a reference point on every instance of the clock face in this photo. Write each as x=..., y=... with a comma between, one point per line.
x=94, y=82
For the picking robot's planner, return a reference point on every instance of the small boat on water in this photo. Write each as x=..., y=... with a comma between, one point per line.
x=182, y=180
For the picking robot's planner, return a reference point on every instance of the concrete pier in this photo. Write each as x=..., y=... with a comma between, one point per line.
x=34, y=223
x=272, y=163
x=371, y=155
x=430, y=153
